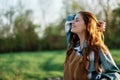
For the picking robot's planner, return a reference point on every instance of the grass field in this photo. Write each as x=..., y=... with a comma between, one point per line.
x=36, y=65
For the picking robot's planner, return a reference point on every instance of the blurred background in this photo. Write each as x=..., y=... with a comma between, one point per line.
x=33, y=40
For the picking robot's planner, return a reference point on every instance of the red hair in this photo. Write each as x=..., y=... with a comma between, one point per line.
x=94, y=38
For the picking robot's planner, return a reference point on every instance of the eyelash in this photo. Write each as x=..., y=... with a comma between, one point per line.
x=76, y=20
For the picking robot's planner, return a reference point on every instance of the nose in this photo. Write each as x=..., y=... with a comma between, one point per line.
x=73, y=22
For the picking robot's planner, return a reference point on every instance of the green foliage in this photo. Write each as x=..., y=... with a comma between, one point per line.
x=36, y=65
x=113, y=37
x=31, y=66
x=25, y=34
x=23, y=37
x=54, y=37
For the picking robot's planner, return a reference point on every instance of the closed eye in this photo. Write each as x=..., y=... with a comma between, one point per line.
x=76, y=20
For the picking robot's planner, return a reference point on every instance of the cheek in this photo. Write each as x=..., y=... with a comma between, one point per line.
x=79, y=27
x=82, y=24
x=78, y=24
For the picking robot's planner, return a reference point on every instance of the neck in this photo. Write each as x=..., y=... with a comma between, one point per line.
x=82, y=39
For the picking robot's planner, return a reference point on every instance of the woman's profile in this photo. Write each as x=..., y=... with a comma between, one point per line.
x=87, y=56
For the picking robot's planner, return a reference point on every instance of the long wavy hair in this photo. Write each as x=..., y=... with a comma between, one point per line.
x=94, y=38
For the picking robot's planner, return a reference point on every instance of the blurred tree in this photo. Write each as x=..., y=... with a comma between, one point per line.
x=6, y=30
x=44, y=6
x=26, y=38
x=7, y=27
x=114, y=29
x=54, y=37
x=17, y=33
x=72, y=6
x=108, y=13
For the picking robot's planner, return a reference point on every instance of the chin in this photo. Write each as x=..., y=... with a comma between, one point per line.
x=73, y=31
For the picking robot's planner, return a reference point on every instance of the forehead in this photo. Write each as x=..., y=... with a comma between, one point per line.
x=78, y=16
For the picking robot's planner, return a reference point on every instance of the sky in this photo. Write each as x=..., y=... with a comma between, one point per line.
x=53, y=12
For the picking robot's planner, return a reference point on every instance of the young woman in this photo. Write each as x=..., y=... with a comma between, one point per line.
x=87, y=57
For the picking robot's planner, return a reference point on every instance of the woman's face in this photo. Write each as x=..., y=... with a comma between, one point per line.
x=78, y=25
